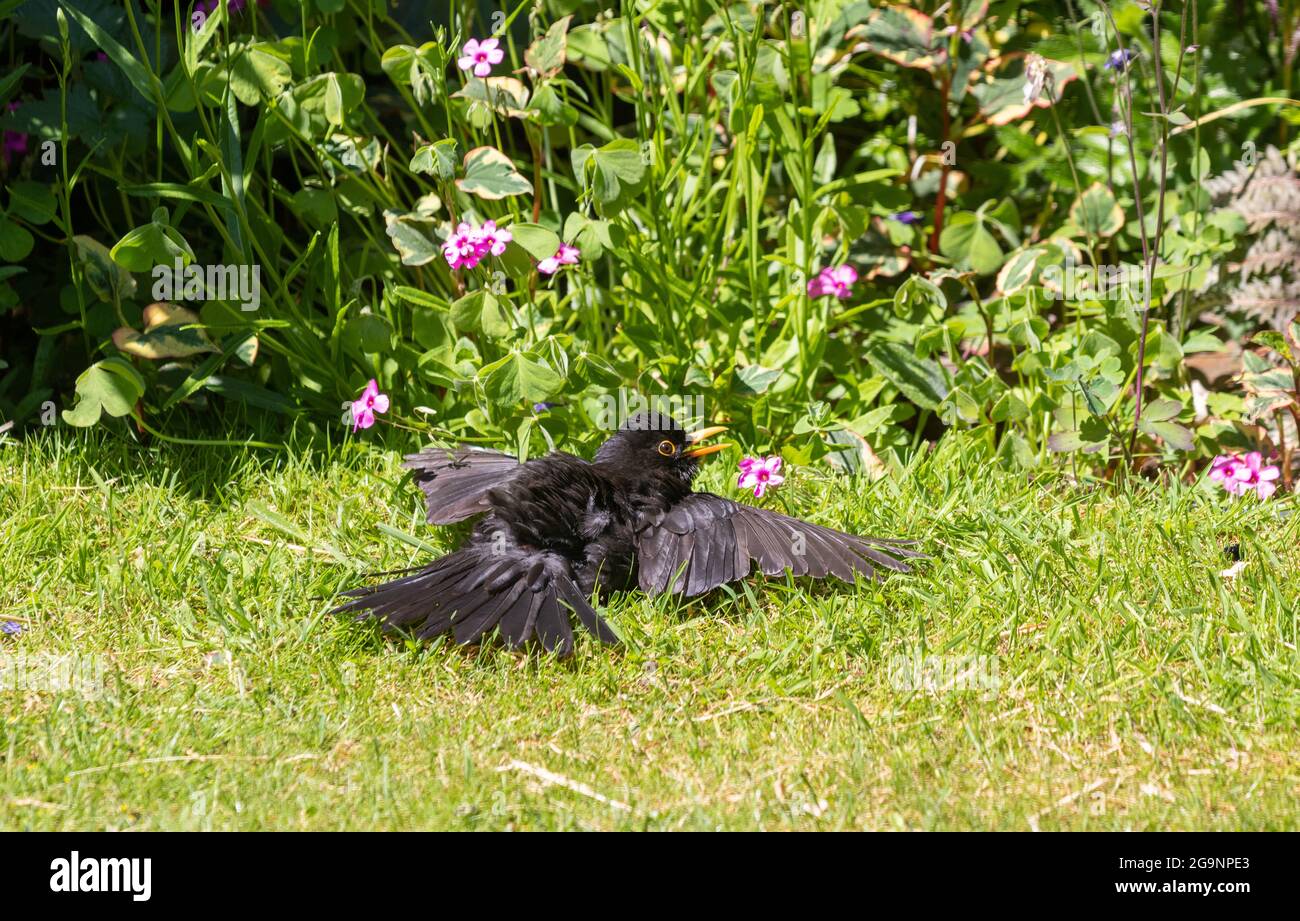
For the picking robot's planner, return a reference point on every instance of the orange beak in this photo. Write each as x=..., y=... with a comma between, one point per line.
x=700, y=435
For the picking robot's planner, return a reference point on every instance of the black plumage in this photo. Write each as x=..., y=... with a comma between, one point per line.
x=558, y=529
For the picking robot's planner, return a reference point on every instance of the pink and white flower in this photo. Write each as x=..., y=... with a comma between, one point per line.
x=838, y=281
x=1242, y=475
x=479, y=56
x=469, y=245
x=565, y=255
x=492, y=239
x=759, y=474
x=370, y=402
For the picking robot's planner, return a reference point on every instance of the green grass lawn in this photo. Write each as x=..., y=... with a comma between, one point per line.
x=1128, y=684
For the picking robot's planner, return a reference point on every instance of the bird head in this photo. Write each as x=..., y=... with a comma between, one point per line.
x=655, y=445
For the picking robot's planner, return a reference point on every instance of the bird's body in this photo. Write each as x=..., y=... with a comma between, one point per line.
x=559, y=529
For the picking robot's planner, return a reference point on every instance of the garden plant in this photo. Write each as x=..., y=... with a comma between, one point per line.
x=1019, y=281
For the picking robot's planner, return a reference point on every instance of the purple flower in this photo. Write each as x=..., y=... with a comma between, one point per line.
x=565, y=255
x=760, y=473
x=11, y=628
x=370, y=402
x=541, y=408
x=906, y=217
x=1240, y=476
x=1119, y=60
x=479, y=56
x=15, y=142
x=838, y=281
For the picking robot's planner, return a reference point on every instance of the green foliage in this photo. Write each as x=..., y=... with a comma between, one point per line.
x=707, y=160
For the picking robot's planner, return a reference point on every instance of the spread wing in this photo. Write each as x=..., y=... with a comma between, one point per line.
x=455, y=482
x=705, y=541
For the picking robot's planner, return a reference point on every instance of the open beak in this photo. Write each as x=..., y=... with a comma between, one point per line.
x=699, y=435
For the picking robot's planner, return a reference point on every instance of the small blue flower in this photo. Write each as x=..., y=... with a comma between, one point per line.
x=540, y=408
x=907, y=217
x=1119, y=60
x=11, y=628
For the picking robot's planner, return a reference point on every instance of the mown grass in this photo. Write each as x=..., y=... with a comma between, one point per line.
x=1139, y=688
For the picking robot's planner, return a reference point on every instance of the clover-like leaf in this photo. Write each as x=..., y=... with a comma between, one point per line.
x=254, y=73
x=520, y=376
x=169, y=332
x=106, y=278
x=538, y=241
x=547, y=54
x=492, y=175
x=148, y=245
x=110, y=386
x=437, y=159
x=968, y=242
x=1097, y=213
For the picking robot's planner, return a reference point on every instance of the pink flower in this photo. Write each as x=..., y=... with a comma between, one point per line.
x=758, y=473
x=479, y=56
x=1240, y=476
x=468, y=246
x=15, y=142
x=370, y=402
x=565, y=255
x=838, y=281
x=494, y=240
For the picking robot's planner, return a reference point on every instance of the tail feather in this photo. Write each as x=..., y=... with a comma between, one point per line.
x=522, y=593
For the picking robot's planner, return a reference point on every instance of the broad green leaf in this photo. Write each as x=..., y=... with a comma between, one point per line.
x=491, y=174
x=480, y=311
x=1018, y=271
x=519, y=376
x=1002, y=99
x=106, y=278
x=1161, y=410
x=920, y=380
x=538, y=241
x=410, y=241
x=904, y=36
x=343, y=94
x=111, y=385
x=967, y=241
x=500, y=94
x=918, y=292
x=757, y=379
x=1009, y=408
x=34, y=202
x=437, y=159
x=165, y=334
x=1176, y=436
x=15, y=242
x=317, y=207
x=255, y=74
x=1275, y=341
x=149, y=245
x=1097, y=212
x=547, y=54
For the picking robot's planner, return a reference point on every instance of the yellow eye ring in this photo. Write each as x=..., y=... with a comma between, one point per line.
x=667, y=448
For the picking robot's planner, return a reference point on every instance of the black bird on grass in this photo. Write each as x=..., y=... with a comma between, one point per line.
x=557, y=529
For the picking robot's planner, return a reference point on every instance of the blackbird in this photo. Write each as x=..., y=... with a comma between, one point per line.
x=558, y=529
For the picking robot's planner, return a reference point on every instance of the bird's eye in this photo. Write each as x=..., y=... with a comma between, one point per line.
x=667, y=448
